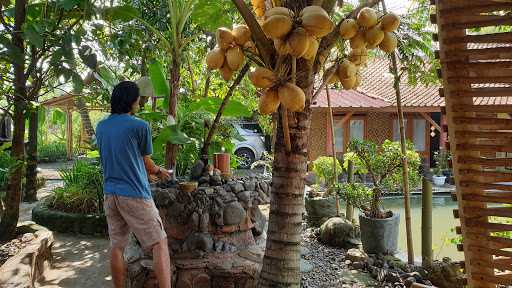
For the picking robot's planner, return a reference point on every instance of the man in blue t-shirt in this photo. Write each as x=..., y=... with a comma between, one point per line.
x=125, y=147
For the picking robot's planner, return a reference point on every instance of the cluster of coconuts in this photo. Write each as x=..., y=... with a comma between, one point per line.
x=259, y=7
x=276, y=92
x=229, y=56
x=364, y=33
x=297, y=35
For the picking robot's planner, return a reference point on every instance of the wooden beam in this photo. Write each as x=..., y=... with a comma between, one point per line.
x=69, y=134
x=346, y=118
x=431, y=121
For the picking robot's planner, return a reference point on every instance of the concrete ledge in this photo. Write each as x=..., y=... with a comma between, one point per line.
x=26, y=267
x=69, y=222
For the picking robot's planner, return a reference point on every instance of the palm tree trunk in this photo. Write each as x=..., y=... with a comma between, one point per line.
x=281, y=264
x=10, y=215
x=171, y=150
x=85, y=118
x=30, y=194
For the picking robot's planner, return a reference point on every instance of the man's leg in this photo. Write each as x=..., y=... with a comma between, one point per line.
x=117, y=266
x=162, y=264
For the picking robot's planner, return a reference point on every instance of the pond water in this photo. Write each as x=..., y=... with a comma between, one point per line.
x=442, y=224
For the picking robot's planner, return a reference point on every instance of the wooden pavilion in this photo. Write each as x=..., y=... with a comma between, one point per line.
x=475, y=66
x=66, y=103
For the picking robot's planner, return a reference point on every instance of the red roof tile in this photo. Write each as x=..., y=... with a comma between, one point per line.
x=349, y=99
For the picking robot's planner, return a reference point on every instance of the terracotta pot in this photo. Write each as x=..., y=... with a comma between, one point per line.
x=221, y=161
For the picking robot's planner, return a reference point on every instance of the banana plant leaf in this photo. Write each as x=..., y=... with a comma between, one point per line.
x=170, y=134
x=233, y=108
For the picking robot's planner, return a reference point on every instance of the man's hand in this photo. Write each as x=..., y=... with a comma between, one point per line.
x=163, y=174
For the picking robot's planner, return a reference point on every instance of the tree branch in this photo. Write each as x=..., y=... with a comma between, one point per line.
x=328, y=41
x=265, y=46
x=215, y=123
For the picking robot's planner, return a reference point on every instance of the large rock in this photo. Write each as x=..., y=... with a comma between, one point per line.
x=197, y=170
x=319, y=209
x=234, y=213
x=339, y=232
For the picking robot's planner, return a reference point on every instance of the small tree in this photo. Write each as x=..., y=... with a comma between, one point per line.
x=384, y=165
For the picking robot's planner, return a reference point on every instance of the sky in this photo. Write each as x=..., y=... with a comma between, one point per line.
x=397, y=6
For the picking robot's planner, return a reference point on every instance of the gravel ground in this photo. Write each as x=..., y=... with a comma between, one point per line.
x=329, y=268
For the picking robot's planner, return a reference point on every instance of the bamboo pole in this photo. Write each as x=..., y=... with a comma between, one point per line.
x=405, y=168
x=333, y=142
x=426, y=223
x=349, y=211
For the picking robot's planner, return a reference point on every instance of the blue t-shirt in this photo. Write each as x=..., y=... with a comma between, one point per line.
x=123, y=140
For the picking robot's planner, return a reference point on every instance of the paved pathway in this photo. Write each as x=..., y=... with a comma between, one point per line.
x=79, y=261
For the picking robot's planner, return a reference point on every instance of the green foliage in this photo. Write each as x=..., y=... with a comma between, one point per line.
x=355, y=194
x=6, y=163
x=384, y=165
x=82, y=191
x=52, y=152
x=323, y=168
x=441, y=158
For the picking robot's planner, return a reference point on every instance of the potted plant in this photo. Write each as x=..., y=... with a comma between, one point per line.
x=379, y=228
x=441, y=170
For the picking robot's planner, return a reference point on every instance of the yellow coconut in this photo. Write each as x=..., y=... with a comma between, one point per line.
x=358, y=56
x=358, y=81
x=225, y=72
x=259, y=11
x=269, y=102
x=262, y=77
x=283, y=11
x=242, y=34
x=374, y=36
x=312, y=49
x=224, y=38
x=277, y=26
x=333, y=80
x=313, y=9
x=292, y=97
x=348, y=28
x=235, y=58
x=358, y=42
x=282, y=47
x=346, y=69
x=298, y=42
x=349, y=83
x=215, y=58
x=317, y=24
x=367, y=17
x=389, y=22
x=389, y=43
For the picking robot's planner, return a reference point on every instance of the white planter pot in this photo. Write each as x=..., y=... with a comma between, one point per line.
x=438, y=180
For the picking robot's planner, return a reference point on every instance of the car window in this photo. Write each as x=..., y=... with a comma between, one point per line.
x=253, y=127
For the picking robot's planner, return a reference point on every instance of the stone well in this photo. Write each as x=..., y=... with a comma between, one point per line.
x=216, y=234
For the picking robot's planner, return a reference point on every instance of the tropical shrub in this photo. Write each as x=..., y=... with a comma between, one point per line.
x=5, y=164
x=52, y=152
x=82, y=191
x=323, y=168
x=384, y=165
x=355, y=194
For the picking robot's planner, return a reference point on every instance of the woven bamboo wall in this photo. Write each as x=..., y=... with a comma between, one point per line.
x=380, y=126
x=318, y=133
x=475, y=67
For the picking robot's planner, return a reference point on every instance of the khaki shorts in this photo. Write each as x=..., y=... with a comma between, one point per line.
x=140, y=216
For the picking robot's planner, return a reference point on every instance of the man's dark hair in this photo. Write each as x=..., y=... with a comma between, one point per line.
x=123, y=97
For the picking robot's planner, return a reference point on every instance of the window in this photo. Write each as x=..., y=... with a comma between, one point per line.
x=396, y=130
x=357, y=129
x=338, y=132
x=419, y=126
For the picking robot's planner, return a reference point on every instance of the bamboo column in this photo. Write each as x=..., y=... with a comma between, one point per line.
x=405, y=168
x=69, y=133
x=333, y=142
x=426, y=223
x=349, y=211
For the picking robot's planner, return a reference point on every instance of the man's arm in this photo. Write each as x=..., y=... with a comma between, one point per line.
x=153, y=169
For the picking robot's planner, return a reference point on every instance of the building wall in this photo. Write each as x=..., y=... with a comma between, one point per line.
x=318, y=133
x=380, y=128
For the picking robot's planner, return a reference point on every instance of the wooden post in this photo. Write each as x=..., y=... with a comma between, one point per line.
x=405, y=168
x=426, y=223
x=349, y=211
x=69, y=133
x=333, y=142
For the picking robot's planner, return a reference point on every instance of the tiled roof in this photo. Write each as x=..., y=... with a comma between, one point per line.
x=378, y=81
x=349, y=99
